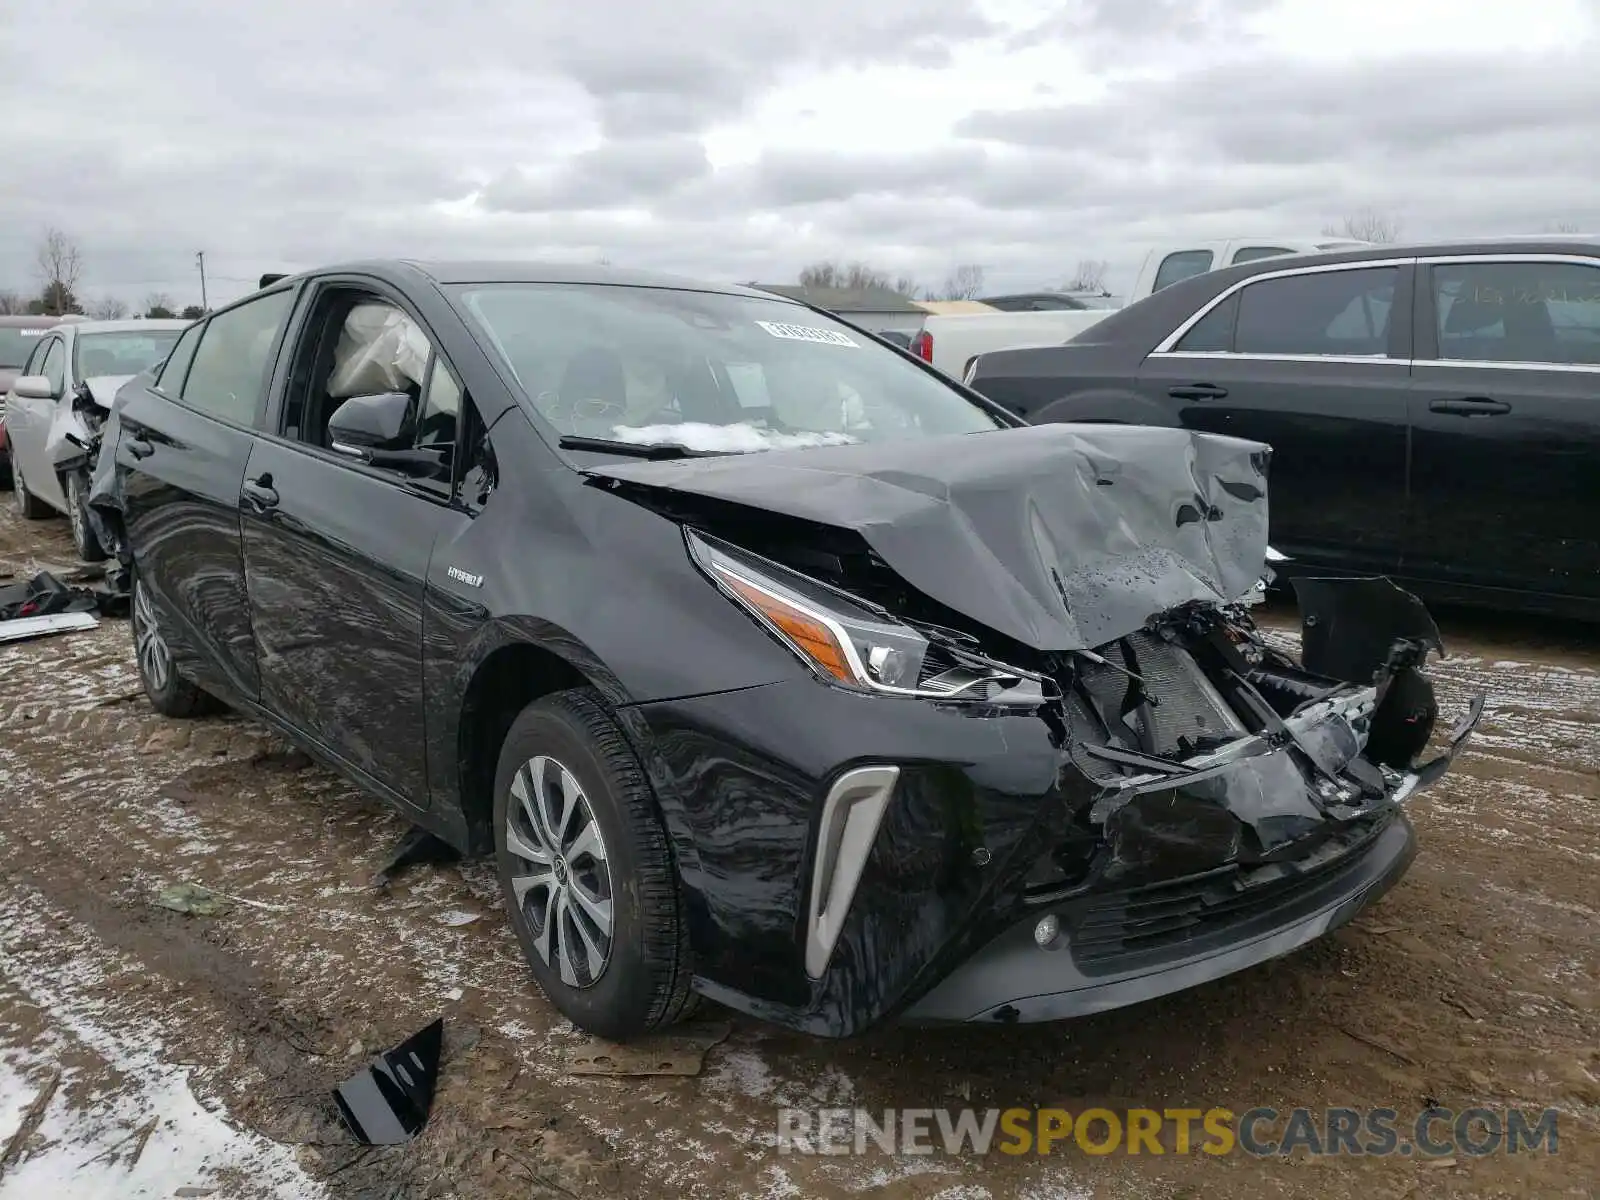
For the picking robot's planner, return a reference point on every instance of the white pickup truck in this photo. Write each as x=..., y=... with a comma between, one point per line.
x=951, y=341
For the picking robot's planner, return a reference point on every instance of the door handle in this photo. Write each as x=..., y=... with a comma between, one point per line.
x=139, y=447
x=259, y=493
x=1198, y=391
x=1470, y=406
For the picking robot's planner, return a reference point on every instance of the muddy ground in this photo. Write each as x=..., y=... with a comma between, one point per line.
x=172, y=1052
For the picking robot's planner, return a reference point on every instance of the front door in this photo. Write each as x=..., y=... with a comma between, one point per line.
x=336, y=557
x=1310, y=363
x=181, y=455
x=1505, y=412
x=28, y=420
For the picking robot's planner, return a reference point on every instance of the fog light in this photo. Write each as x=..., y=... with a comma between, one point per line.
x=1045, y=931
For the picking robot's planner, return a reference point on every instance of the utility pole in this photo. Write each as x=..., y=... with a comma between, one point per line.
x=200, y=257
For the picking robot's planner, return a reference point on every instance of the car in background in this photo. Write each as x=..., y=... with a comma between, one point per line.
x=1434, y=411
x=60, y=399
x=18, y=336
x=771, y=664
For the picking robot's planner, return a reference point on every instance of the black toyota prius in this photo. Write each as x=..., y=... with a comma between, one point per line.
x=771, y=665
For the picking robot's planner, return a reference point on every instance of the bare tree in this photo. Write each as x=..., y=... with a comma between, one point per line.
x=907, y=287
x=1368, y=225
x=855, y=276
x=59, y=264
x=963, y=283
x=107, y=308
x=12, y=304
x=159, y=304
x=1088, y=276
x=1563, y=227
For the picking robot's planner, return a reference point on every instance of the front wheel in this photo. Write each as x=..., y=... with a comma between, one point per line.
x=170, y=694
x=587, y=871
x=83, y=535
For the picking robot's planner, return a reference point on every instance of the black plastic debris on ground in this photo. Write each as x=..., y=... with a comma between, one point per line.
x=416, y=847
x=45, y=595
x=387, y=1103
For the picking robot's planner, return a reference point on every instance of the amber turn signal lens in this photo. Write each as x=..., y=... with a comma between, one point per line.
x=809, y=635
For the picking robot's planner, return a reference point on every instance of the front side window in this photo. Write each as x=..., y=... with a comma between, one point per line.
x=229, y=369
x=1185, y=264
x=1323, y=313
x=54, y=367
x=1536, y=312
x=122, y=353
x=706, y=370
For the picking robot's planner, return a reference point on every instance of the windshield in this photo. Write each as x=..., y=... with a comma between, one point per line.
x=16, y=343
x=657, y=366
x=125, y=353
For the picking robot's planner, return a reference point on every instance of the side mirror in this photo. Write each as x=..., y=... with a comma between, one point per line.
x=34, y=387
x=363, y=424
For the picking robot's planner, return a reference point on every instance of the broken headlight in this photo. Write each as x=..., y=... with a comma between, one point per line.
x=850, y=642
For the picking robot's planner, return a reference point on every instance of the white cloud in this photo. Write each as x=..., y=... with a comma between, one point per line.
x=741, y=141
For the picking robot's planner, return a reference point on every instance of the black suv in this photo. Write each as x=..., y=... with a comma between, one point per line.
x=1433, y=411
x=772, y=665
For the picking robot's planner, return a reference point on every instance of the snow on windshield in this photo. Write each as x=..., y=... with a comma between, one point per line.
x=741, y=438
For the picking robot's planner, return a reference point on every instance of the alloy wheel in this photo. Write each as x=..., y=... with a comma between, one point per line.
x=154, y=657
x=562, y=878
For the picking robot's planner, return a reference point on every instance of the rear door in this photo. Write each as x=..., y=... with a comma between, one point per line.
x=1309, y=361
x=182, y=451
x=336, y=559
x=1505, y=414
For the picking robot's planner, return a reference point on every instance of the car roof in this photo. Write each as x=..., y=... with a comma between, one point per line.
x=1565, y=243
x=28, y=322
x=525, y=271
x=137, y=325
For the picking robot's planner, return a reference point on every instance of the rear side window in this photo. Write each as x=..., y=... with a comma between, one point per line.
x=1252, y=253
x=1180, y=266
x=230, y=367
x=1536, y=312
x=177, y=365
x=1325, y=313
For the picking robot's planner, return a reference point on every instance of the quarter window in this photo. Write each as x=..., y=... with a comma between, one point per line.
x=1323, y=313
x=1537, y=312
x=229, y=369
x=1214, y=331
x=1183, y=265
x=176, y=368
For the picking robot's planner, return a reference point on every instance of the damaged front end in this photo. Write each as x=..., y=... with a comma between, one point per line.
x=1057, y=767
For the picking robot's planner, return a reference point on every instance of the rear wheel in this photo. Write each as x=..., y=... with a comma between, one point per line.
x=29, y=506
x=587, y=871
x=170, y=694
x=83, y=535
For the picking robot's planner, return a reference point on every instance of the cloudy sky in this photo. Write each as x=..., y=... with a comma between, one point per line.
x=741, y=139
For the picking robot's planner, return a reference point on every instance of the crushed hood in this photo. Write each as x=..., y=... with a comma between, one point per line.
x=104, y=387
x=1062, y=537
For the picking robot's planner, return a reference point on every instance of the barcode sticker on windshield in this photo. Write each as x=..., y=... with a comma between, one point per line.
x=33, y=333
x=807, y=333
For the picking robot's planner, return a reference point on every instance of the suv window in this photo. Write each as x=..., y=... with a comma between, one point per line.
x=1214, y=331
x=1182, y=265
x=1252, y=253
x=229, y=369
x=1538, y=312
x=1327, y=312
x=177, y=365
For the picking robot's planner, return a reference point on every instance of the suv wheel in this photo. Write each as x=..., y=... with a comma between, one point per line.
x=587, y=870
x=83, y=535
x=29, y=506
x=170, y=694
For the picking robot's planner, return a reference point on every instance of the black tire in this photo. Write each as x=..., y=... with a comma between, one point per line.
x=29, y=506
x=170, y=693
x=83, y=535
x=643, y=979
